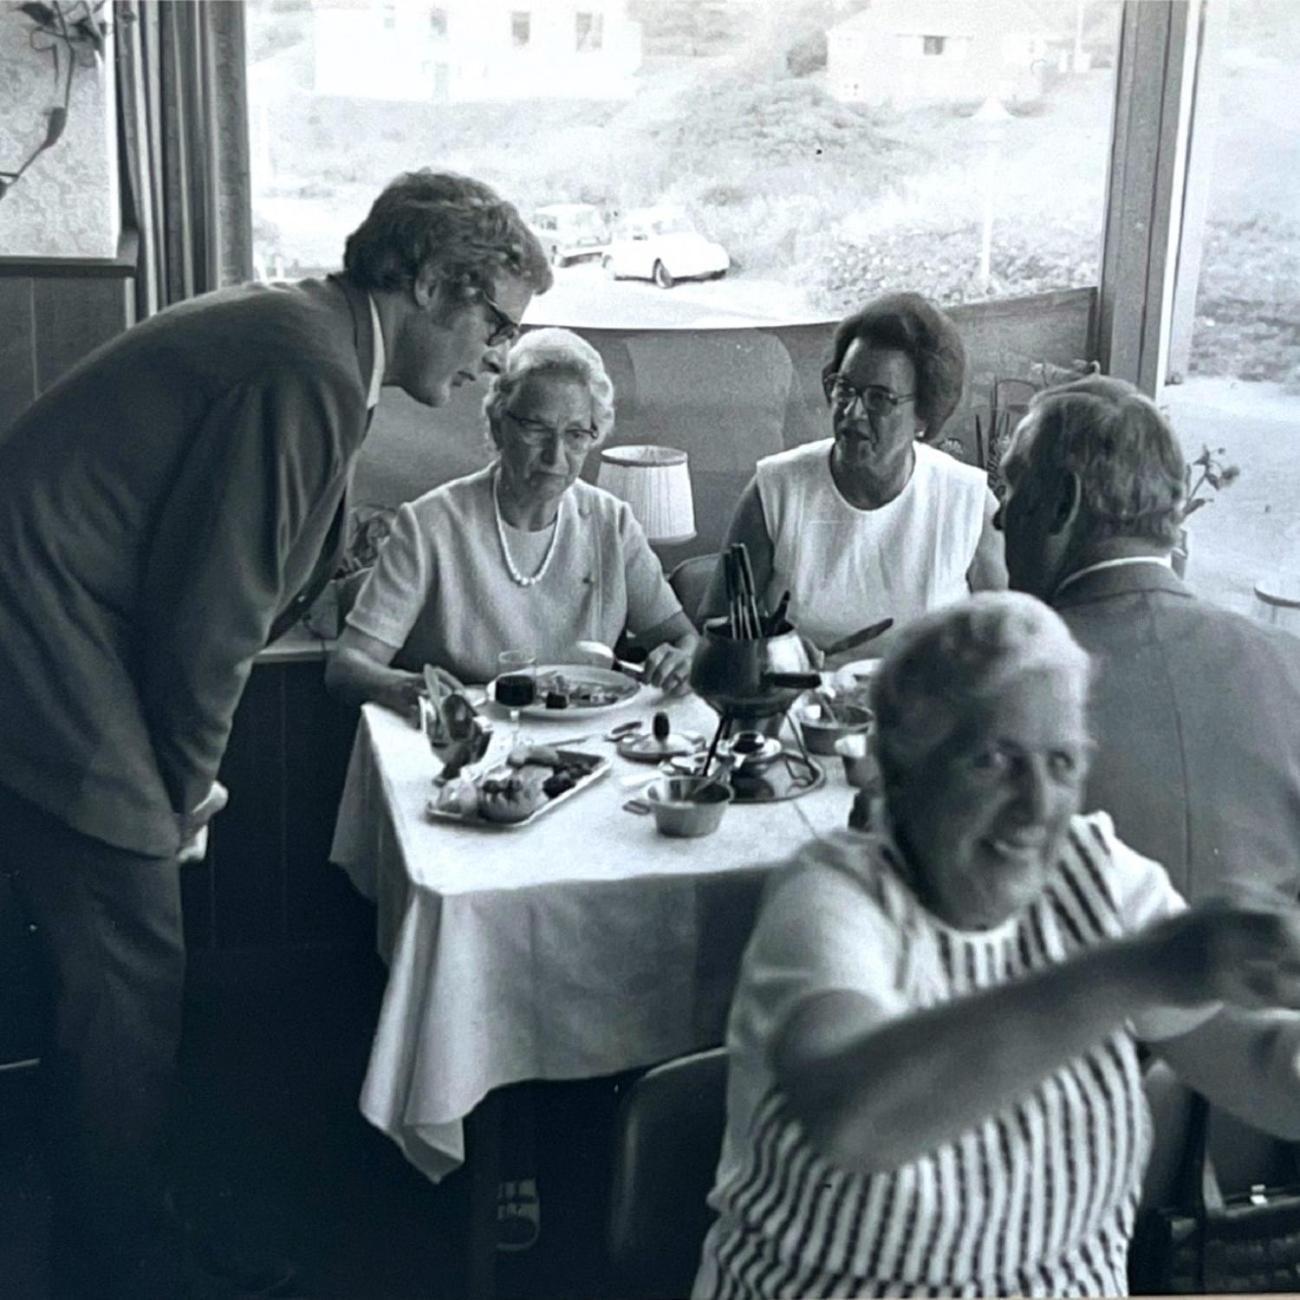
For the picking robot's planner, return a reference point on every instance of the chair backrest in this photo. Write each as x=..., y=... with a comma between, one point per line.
x=668, y=1137
x=690, y=581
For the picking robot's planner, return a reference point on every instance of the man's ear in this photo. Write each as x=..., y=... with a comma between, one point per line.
x=1069, y=501
x=427, y=287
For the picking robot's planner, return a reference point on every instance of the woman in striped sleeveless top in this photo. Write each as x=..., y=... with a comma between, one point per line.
x=933, y=1081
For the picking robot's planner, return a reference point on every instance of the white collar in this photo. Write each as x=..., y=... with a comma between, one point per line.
x=1165, y=561
x=380, y=362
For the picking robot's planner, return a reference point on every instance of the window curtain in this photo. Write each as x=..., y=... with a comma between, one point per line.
x=183, y=136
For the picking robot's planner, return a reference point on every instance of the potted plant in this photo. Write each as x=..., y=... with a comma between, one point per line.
x=1203, y=479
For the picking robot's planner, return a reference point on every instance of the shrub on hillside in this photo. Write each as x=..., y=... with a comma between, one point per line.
x=942, y=262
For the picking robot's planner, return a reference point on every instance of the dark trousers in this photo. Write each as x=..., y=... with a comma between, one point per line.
x=108, y=924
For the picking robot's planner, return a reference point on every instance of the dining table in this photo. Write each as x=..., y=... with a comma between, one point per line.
x=582, y=944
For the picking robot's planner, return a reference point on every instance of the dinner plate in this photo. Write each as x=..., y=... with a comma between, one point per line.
x=579, y=675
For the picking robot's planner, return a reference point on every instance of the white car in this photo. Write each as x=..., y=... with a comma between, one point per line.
x=570, y=232
x=662, y=245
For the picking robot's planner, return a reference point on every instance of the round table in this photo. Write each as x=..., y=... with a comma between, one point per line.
x=1277, y=600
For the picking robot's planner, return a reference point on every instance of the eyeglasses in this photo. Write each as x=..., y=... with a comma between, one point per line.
x=874, y=399
x=577, y=440
x=506, y=326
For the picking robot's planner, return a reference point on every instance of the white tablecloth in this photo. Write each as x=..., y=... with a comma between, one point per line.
x=581, y=945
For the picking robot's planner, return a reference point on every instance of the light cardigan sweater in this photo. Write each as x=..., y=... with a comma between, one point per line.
x=440, y=592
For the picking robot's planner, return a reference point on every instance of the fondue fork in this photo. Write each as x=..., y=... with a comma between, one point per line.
x=614, y=733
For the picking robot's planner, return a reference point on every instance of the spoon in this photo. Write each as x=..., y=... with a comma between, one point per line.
x=605, y=657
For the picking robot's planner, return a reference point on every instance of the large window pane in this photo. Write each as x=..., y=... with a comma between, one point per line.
x=705, y=162
x=1241, y=388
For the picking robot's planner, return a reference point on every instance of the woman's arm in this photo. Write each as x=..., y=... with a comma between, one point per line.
x=358, y=671
x=748, y=525
x=875, y=1090
x=672, y=647
x=988, y=570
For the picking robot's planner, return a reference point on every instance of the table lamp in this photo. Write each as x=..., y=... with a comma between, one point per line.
x=656, y=483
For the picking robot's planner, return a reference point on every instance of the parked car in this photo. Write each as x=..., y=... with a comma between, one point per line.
x=662, y=244
x=571, y=232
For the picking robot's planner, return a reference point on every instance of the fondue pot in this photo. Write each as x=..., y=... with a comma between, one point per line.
x=751, y=677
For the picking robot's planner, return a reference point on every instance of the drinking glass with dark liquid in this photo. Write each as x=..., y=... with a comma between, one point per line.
x=516, y=685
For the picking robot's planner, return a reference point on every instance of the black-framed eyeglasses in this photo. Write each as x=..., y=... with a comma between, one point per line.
x=874, y=399
x=577, y=439
x=506, y=327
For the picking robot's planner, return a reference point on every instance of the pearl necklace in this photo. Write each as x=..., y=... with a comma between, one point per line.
x=519, y=579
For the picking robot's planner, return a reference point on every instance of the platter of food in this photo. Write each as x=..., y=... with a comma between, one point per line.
x=533, y=780
x=556, y=690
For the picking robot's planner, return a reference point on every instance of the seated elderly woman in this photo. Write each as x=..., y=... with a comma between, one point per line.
x=873, y=522
x=934, y=1084
x=522, y=554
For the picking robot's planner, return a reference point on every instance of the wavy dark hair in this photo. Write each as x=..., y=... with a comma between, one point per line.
x=914, y=326
x=457, y=224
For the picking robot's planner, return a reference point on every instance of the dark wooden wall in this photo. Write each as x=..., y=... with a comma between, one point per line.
x=266, y=881
x=53, y=312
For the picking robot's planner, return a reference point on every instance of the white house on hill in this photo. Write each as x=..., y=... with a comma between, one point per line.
x=917, y=51
x=463, y=51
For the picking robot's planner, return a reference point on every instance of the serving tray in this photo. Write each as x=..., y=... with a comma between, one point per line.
x=599, y=768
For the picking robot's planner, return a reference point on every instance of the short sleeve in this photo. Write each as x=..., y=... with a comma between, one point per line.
x=1144, y=895
x=650, y=600
x=821, y=929
x=399, y=585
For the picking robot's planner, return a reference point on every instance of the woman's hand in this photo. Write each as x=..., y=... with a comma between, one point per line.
x=668, y=666
x=1245, y=955
x=401, y=693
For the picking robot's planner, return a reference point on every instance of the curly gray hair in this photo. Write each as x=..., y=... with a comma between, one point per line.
x=557, y=352
x=947, y=662
x=459, y=225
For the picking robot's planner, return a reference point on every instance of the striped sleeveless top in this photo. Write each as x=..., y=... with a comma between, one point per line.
x=1037, y=1200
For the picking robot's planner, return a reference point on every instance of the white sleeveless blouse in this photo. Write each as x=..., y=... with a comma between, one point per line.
x=845, y=567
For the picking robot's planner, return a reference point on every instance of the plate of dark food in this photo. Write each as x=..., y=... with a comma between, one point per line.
x=555, y=690
x=533, y=780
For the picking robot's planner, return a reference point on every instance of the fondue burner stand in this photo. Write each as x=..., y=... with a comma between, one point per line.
x=762, y=769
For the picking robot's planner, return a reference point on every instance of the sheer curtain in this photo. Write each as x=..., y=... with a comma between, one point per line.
x=183, y=134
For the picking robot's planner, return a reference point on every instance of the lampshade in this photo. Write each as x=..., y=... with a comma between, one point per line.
x=656, y=483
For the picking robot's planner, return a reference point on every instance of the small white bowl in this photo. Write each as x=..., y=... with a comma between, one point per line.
x=820, y=732
x=860, y=767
